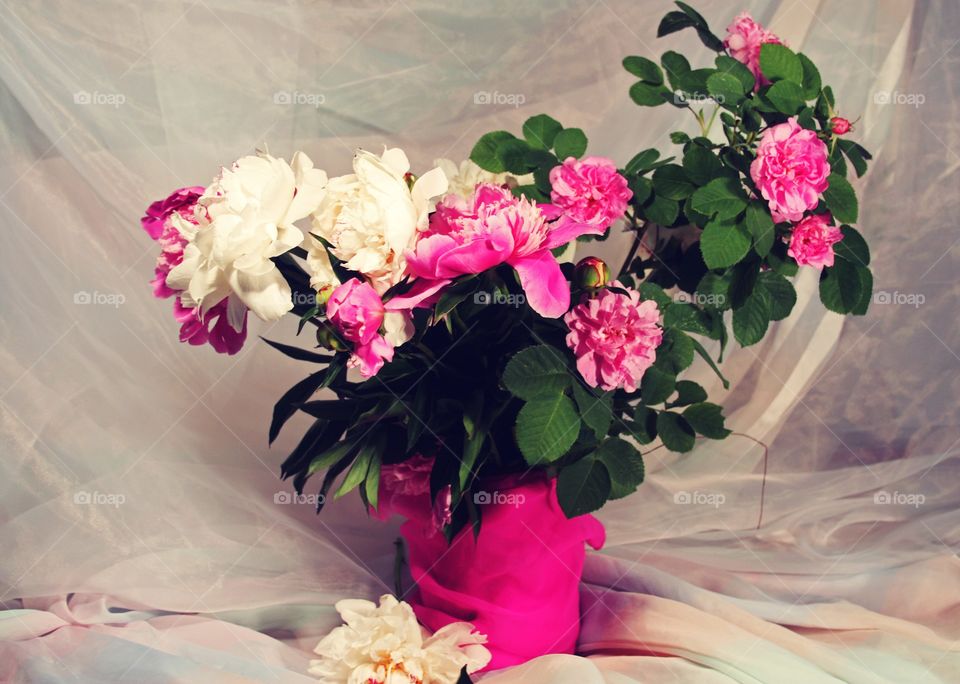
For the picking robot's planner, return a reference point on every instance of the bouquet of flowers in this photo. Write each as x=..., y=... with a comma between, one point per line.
x=468, y=361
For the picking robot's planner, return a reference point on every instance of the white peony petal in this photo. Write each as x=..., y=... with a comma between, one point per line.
x=236, y=313
x=268, y=295
x=398, y=327
x=311, y=186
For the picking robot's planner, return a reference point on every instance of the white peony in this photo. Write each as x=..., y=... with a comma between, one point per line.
x=245, y=217
x=371, y=217
x=385, y=645
x=464, y=178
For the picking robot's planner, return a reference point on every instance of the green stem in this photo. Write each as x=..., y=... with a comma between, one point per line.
x=398, y=569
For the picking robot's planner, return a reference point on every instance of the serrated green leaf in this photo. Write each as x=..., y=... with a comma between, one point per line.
x=675, y=432
x=852, y=247
x=671, y=181
x=811, y=77
x=595, y=408
x=783, y=296
x=540, y=131
x=583, y=487
x=662, y=211
x=688, y=392
x=723, y=244
x=842, y=285
x=778, y=62
x=656, y=386
x=750, y=321
x=675, y=65
x=725, y=89
x=536, y=373
x=786, y=96
x=484, y=153
x=570, y=142
x=701, y=165
x=641, y=161
x=647, y=95
x=547, y=428
x=653, y=291
x=729, y=65
x=760, y=226
x=624, y=464
x=722, y=197
x=644, y=69
x=707, y=420
x=841, y=199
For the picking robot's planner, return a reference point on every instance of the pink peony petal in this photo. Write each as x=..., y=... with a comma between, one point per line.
x=548, y=292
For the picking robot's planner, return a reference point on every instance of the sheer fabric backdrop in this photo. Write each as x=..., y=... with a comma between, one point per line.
x=143, y=528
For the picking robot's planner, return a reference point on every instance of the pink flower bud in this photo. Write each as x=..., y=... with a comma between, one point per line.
x=839, y=125
x=591, y=272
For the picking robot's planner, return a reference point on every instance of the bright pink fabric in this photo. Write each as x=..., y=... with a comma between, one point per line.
x=518, y=583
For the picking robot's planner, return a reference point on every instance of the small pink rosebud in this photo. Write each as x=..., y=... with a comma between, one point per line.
x=839, y=125
x=591, y=272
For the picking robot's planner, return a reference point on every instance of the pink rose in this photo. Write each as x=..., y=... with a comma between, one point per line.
x=840, y=126
x=491, y=228
x=743, y=41
x=196, y=327
x=614, y=337
x=790, y=170
x=590, y=190
x=812, y=241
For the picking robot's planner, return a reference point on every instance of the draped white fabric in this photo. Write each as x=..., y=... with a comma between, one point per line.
x=144, y=532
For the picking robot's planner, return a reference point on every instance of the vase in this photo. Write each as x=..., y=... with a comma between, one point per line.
x=517, y=581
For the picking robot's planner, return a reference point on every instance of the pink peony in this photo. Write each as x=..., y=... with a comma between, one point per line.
x=357, y=312
x=405, y=490
x=614, y=337
x=743, y=41
x=492, y=228
x=589, y=190
x=790, y=170
x=812, y=241
x=196, y=328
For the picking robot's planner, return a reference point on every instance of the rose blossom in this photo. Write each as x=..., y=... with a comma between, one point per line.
x=589, y=190
x=790, y=170
x=385, y=645
x=170, y=222
x=811, y=243
x=839, y=125
x=743, y=41
x=492, y=228
x=614, y=337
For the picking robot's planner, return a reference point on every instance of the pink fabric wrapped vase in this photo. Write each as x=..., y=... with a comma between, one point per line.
x=517, y=582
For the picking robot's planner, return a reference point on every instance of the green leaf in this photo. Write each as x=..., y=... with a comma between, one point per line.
x=673, y=22
x=299, y=353
x=641, y=188
x=725, y=89
x=373, y=447
x=656, y=386
x=750, y=321
x=857, y=155
x=644, y=69
x=676, y=65
x=710, y=362
x=811, y=78
x=842, y=286
x=653, y=291
x=687, y=317
x=641, y=161
x=778, y=62
x=647, y=95
x=537, y=373
x=547, y=428
x=866, y=295
x=694, y=82
x=729, y=65
x=722, y=197
x=675, y=432
x=707, y=420
x=688, y=392
x=675, y=352
x=512, y=154
x=484, y=153
x=783, y=296
x=724, y=244
x=786, y=96
x=624, y=464
x=841, y=199
x=371, y=485
x=662, y=211
x=583, y=487
x=760, y=226
x=716, y=288
x=292, y=398
x=596, y=411
x=852, y=247
x=671, y=181
x=541, y=130
x=701, y=165
x=570, y=142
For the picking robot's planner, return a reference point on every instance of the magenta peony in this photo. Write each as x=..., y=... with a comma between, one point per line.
x=743, y=41
x=790, y=170
x=357, y=312
x=161, y=223
x=589, y=190
x=492, y=228
x=812, y=241
x=614, y=337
